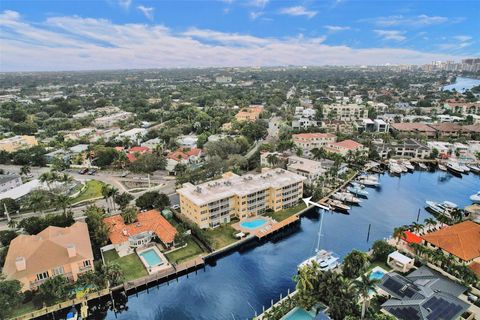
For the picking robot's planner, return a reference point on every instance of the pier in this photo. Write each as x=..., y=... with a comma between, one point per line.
x=277, y=226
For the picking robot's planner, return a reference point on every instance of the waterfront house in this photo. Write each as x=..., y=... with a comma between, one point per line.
x=32, y=259
x=463, y=108
x=310, y=169
x=400, y=262
x=309, y=141
x=149, y=225
x=213, y=203
x=460, y=242
x=424, y=294
x=408, y=148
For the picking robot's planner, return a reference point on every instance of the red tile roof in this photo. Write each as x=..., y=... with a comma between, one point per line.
x=131, y=155
x=412, y=127
x=348, y=144
x=411, y=237
x=475, y=267
x=151, y=220
x=313, y=136
x=461, y=240
x=184, y=153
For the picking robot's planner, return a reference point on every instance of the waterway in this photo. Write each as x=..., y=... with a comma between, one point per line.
x=242, y=282
x=462, y=84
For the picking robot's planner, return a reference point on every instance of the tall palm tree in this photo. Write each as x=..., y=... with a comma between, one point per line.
x=25, y=170
x=38, y=200
x=113, y=193
x=364, y=286
x=430, y=222
x=399, y=233
x=416, y=226
x=106, y=194
x=129, y=215
x=272, y=160
x=63, y=201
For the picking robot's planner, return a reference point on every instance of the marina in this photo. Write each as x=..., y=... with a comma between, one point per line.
x=246, y=280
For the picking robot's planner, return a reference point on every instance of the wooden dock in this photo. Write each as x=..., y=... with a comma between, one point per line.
x=277, y=226
x=164, y=275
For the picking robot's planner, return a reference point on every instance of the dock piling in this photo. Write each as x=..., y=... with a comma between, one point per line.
x=368, y=234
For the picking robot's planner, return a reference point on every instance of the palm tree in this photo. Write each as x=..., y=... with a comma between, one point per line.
x=113, y=273
x=25, y=170
x=106, y=190
x=364, y=286
x=38, y=200
x=129, y=215
x=113, y=193
x=415, y=226
x=63, y=201
x=430, y=222
x=399, y=233
x=272, y=160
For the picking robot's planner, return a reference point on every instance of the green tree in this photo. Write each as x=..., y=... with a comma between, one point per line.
x=97, y=229
x=10, y=297
x=364, y=287
x=11, y=205
x=354, y=264
x=6, y=236
x=113, y=273
x=25, y=170
x=129, y=215
x=54, y=290
x=123, y=199
x=381, y=249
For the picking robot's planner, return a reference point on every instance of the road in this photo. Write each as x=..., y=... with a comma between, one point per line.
x=162, y=183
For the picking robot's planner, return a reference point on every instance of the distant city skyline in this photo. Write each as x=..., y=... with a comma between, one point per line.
x=135, y=34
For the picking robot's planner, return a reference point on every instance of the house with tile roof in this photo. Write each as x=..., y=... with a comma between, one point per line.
x=460, y=241
x=150, y=225
x=345, y=146
x=309, y=141
x=32, y=259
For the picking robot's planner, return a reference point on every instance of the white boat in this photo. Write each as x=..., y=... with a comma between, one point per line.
x=442, y=167
x=454, y=168
x=422, y=166
x=394, y=168
x=72, y=314
x=338, y=205
x=474, y=168
x=408, y=165
x=442, y=208
x=465, y=168
x=326, y=260
x=346, y=197
x=475, y=197
x=369, y=181
x=357, y=189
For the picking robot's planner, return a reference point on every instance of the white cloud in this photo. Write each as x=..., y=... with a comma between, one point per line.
x=147, y=11
x=413, y=21
x=463, y=38
x=75, y=43
x=254, y=15
x=298, y=11
x=124, y=3
x=394, y=35
x=336, y=28
x=258, y=3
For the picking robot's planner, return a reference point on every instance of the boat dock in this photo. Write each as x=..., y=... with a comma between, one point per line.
x=262, y=233
x=166, y=275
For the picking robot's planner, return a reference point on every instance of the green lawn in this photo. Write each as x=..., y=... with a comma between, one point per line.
x=380, y=264
x=93, y=190
x=189, y=252
x=131, y=265
x=284, y=214
x=221, y=236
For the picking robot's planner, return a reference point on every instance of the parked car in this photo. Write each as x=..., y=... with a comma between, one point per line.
x=92, y=172
x=175, y=207
x=123, y=175
x=83, y=171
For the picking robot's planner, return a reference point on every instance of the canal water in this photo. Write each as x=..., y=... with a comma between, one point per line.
x=244, y=281
x=462, y=84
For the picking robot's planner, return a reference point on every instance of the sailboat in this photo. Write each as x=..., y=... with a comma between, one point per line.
x=326, y=260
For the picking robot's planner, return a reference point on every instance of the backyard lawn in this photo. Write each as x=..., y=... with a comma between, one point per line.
x=131, y=265
x=93, y=190
x=221, y=236
x=24, y=308
x=284, y=214
x=189, y=252
x=380, y=264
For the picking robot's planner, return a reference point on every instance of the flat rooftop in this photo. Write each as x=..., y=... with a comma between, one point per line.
x=235, y=185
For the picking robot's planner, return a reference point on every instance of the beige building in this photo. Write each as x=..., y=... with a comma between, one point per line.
x=345, y=112
x=309, y=141
x=251, y=113
x=17, y=143
x=345, y=146
x=310, y=169
x=54, y=251
x=213, y=203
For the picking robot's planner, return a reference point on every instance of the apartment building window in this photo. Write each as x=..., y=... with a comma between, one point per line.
x=42, y=276
x=58, y=271
x=87, y=263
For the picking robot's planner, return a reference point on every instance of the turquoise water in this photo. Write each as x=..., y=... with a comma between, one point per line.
x=152, y=258
x=298, y=314
x=377, y=275
x=254, y=224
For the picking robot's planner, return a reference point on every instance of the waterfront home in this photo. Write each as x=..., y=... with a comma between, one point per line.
x=460, y=242
x=346, y=146
x=16, y=143
x=463, y=108
x=310, y=169
x=309, y=141
x=408, y=148
x=213, y=203
x=448, y=129
x=148, y=226
x=250, y=114
x=424, y=294
x=32, y=259
x=400, y=262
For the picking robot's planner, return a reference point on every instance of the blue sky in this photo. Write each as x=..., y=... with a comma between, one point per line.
x=111, y=34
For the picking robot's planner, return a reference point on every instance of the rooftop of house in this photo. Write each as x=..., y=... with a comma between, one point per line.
x=47, y=250
x=151, y=220
x=424, y=294
x=232, y=184
x=415, y=126
x=302, y=136
x=347, y=144
x=184, y=153
x=411, y=237
x=306, y=165
x=461, y=240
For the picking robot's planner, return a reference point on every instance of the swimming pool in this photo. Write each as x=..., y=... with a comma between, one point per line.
x=377, y=275
x=253, y=224
x=151, y=258
x=298, y=314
